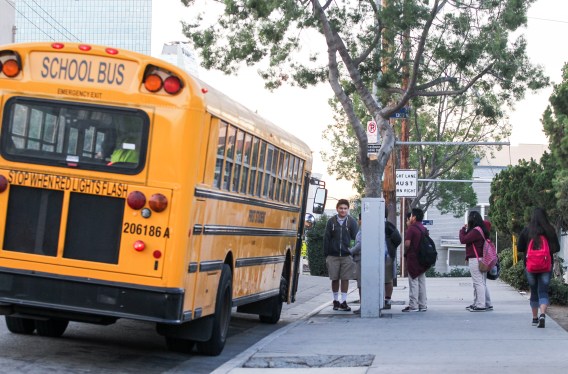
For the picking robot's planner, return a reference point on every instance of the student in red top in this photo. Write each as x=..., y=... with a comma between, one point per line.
x=472, y=238
x=416, y=277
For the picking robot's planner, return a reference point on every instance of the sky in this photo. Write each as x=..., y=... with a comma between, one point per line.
x=306, y=113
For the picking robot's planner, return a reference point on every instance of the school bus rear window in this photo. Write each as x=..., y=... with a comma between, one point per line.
x=75, y=136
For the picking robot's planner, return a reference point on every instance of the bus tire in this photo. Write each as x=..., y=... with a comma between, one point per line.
x=19, y=325
x=179, y=345
x=276, y=305
x=222, y=317
x=52, y=328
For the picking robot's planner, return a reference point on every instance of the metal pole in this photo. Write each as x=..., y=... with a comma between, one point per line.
x=450, y=143
x=372, y=256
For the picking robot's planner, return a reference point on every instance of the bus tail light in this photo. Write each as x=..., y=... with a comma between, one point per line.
x=157, y=254
x=136, y=200
x=158, y=202
x=11, y=68
x=172, y=85
x=153, y=83
x=3, y=183
x=156, y=79
x=139, y=245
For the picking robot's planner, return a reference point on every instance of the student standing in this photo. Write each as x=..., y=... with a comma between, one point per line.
x=340, y=231
x=542, y=234
x=473, y=235
x=416, y=272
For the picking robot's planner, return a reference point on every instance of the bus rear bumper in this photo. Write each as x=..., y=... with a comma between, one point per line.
x=41, y=294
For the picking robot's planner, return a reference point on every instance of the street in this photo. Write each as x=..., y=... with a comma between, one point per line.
x=135, y=347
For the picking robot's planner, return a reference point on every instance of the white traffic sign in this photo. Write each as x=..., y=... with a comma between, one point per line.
x=406, y=183
x=372, y=133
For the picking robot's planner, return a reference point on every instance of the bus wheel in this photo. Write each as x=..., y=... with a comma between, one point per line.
x=222, y=317
x=19, y=325
x=53, y=328
x=179, y=345
x=275, y=304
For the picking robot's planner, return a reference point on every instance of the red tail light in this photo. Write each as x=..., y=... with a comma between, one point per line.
x=136, y=200
x=157, y=254
x=3, y=183
x=139, y=245
x=172, y=85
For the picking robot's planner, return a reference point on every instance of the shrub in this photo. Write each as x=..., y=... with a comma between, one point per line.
x=454, y=273
x=512, y=274
x=558, y=292
x=314, y=240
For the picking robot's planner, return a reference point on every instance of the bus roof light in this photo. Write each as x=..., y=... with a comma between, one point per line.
x=11, y=68
x=111, y=51
x=153, y=83
x=158, y=202
x=57, y=45
x=172, y=85
x=84, y=47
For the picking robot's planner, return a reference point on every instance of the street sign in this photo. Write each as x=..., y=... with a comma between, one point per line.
x=372, y=132
x=373, y=148
x=406, y=183
x=403, y=112
x=427, y=221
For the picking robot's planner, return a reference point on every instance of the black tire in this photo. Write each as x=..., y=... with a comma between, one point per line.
x=276, y=304
x=222, y=317
x=53, y=328
x=179, y=345
x=19, y=325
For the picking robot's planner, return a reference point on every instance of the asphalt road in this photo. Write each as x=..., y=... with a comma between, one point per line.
x=135, y=347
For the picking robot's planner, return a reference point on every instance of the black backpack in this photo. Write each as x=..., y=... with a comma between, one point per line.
x=427, y=254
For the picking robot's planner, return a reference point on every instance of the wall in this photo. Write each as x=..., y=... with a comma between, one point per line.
x=7, y=21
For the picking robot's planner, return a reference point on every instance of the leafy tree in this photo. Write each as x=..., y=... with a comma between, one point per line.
x=438, y=48
x=555, y=123
x=516, y=190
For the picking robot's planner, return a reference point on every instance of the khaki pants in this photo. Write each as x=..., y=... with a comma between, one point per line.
x=417, y=292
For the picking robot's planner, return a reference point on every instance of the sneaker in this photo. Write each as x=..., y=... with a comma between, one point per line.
x=358, y=311
x=469, y=307
x=476, y=309
x=423, y=309
x=336, y=305
x=489, y=308
x=344, y=307
x=387, y=305
x=409, y=309
x=541, y=321
x=535, y=321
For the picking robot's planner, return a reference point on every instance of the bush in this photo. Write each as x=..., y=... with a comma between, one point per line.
x=512, y=274
x=454, y=273
x=314, y=240
x=558, y=292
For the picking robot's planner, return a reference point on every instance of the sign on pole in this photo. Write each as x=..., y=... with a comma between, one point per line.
x=372, y=138
x=403, y=112
x=406, y=183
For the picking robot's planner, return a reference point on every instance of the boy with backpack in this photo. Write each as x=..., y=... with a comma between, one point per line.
x=416, y=277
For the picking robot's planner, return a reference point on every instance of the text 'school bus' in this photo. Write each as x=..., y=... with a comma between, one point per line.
x=129, y=189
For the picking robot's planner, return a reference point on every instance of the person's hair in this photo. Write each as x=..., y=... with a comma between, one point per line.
x=418, y=213
x=342, y=202
x=474, y=220
x=408, y=215
x=539, y=225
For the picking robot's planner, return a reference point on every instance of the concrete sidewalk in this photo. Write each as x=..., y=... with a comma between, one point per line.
x=445, y=339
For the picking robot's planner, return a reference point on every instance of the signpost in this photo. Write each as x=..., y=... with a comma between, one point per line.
x=403, y=112
x=406, y=183
x=373, y=144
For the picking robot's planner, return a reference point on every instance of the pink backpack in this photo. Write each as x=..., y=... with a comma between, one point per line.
x=489, y=259
x=539, y=260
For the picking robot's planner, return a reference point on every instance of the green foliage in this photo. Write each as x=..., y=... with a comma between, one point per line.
x=517, y=190
x=558, y=292
x=512, y=274
x=314, y=239
x=454, y=273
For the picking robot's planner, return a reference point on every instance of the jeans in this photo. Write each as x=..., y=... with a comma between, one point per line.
x=539, y=288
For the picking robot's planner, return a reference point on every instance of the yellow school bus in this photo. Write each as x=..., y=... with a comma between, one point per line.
x=130, y=189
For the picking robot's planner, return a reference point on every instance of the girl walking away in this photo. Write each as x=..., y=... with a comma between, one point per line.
x=539, y=242
x=473, y=235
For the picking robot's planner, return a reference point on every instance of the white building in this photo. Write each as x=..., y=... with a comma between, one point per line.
x=7, y=21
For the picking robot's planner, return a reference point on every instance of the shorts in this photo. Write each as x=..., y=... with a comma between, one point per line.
x=340, y=267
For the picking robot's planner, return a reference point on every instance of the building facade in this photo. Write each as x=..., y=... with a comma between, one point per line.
x=7, y=21
x=123, y=24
